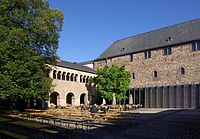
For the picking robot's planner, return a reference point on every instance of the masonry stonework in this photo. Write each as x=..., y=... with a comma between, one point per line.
x=168, y=67
x=64, y=87
x=170, y=88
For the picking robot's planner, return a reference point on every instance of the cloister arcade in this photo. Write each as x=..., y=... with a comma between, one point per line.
x=70, y=99
x=70, y=76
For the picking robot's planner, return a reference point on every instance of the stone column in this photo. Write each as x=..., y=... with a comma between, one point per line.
x=165, y=97
x=146, y=98
x=139, y=97
x=199, y=95
x=161, y=97
x=178, y=96
x=186, y=98
x=158, y=97
x=193, y=96
x=130, y=99
x=104, y=101
x=114, y=99
x=134, y=96
x=86, y=100
x=152, y=97
x=171, y=96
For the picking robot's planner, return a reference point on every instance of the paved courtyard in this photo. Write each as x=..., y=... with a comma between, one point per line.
x=158, y=124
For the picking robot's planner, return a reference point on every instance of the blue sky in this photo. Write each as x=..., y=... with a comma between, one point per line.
x=91, y=26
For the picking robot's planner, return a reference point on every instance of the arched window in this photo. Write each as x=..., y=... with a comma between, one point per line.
x=63, y=75
x=84, y=79
x=58, y=75
x=155, y=74
x=72, y=77
x=81, y=78
x=182, y=71
x=75, y=77
x=133, y=75
x=87, y=79
x=54, y=74
x=67, y=76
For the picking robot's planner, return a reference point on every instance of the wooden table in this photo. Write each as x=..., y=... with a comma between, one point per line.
x=30, y=125
x=4, y=120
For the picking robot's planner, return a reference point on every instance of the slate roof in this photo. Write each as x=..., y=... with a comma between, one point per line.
x=86, y=62
x=75, y=66
x=172, y=35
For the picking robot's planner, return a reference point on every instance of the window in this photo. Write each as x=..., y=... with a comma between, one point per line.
x=131, y=57
x=84, y=79
x=67, y=76
x=63, y=75
x=54, y=74
x=196, y=46
x=182, y=71
x=155, y=74
x=167, y=51
x=72, y=77
x=133, y=75
x=147, y=54
x=122, y=49
x=75, y=77
x=58, y=75
x=81, y=78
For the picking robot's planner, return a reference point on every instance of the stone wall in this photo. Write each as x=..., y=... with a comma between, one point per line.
x=64, y=87
x=167, y=66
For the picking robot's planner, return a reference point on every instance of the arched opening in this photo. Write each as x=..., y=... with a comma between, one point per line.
x=67, y=76
x=55, y=98
x=87, y=79
x=63, y=75
x=155, y=74
x=182, y=71
x=84, y=79
x=72, y=77
x=75, y=77
x=70, y=98
x=54, y=74
x=83, y=98
x=58, y=75
x=81, y=78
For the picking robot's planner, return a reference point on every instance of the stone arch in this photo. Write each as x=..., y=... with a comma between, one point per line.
x=84, y=79
x=55, y=98
x=54, y=74
x=63, y=75
x=182, y=70
x=67, y=76
x=83, y=99
x=59, y=75
x=70, y=98
x=75, y=77
x=87, y=79
x=81, y=78
x=72, y=77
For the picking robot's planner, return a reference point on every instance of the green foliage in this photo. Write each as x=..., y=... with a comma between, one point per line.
x=29, y=32
x=112, y=80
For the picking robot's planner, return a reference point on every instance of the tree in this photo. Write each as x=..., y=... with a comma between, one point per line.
x=29, y=32
x=111, y=80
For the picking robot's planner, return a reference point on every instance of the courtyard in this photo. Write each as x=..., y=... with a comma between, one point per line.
x=140, y=123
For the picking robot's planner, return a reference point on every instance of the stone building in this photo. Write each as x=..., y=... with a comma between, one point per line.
x=69, y=84
x=164, y=63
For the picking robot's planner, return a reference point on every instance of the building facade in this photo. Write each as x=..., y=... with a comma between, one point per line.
x=164, y=63
x=69, y=87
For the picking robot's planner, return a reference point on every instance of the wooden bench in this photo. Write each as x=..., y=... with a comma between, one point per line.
x=13, y=134
x=49, y=131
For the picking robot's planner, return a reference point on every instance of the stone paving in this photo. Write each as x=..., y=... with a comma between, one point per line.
x=158, y=124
